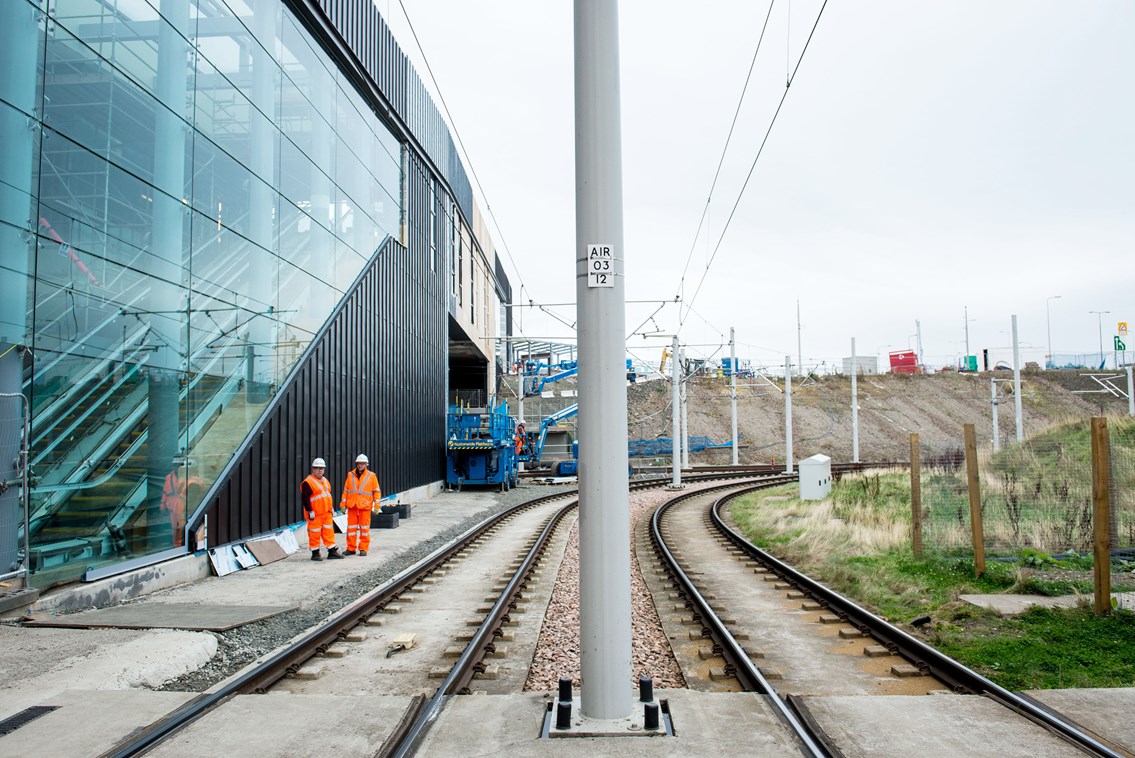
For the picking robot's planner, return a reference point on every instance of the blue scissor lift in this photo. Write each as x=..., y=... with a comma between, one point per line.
x=481, y=447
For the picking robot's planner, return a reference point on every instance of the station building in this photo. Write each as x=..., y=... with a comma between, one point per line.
x=234, y=235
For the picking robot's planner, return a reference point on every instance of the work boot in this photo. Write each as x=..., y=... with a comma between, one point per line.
x=333, y=553
x=362, y=552
x=315, y=556
x=351, y=552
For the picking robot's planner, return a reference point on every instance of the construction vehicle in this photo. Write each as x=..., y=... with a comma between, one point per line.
x=534, y=384
x=533, y=448
x=481, y=447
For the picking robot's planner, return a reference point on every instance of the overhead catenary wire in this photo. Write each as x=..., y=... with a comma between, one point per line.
x=753, y=166
x=724, y=149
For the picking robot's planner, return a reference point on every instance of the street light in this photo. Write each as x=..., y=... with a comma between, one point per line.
x=1048, y=319
x=1099, y=318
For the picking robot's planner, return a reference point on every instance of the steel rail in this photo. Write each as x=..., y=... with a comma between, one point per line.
x=957, y=676
x=737, y=662
x=258, y=677
x=290, y=658
x=466, y=666
x=472, y=657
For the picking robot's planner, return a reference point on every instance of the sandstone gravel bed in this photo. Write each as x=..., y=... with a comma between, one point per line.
x=557, y=652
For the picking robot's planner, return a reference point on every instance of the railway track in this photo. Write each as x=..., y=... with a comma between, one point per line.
x=751, y=645
x=481, y=600
x=503, y=591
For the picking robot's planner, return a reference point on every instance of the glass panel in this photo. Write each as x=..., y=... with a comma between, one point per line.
x=199, y=203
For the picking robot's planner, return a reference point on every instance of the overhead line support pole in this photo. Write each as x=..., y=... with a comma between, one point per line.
x=604, y=503
x=733, y=386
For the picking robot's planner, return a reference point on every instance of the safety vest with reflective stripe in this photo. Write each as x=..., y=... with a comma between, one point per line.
x=320, y=494
x=360, y=493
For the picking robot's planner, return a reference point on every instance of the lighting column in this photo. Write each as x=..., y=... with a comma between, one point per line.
x=1048, y=322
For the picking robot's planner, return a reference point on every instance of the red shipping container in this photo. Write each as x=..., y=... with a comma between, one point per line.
x=905, y=362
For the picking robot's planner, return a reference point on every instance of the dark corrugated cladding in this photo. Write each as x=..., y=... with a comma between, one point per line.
x=372, y=381
x=374, y=378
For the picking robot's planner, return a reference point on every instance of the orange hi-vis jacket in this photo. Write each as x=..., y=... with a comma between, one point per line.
x=320, y=494
x=361, y=492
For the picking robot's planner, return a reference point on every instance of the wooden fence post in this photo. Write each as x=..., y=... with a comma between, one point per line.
x=915, y=495
x=1101, y=522
x=974, y=487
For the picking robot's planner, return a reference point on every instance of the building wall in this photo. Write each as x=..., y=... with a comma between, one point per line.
x=190, y=189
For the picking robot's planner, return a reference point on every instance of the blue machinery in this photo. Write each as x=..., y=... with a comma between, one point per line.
x=481, y=447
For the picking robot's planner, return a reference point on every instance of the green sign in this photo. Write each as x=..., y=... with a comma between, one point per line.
x=1119, y=344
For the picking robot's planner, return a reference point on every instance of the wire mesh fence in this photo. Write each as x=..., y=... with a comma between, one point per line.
x=1035, y=498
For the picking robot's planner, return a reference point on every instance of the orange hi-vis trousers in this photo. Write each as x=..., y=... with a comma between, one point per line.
x=358, y=528
x=320, y=527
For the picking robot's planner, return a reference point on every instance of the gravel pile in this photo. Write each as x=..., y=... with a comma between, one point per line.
x=238, y=647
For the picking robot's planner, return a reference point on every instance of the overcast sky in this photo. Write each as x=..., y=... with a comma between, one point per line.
x=929, y=156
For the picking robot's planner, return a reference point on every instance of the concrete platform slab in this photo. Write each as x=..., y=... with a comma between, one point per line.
x=905, y=725
x=95, y=660
x=705, y=723
x=89, y=722
x=192, y=616
x=292, y=725
x=1105, y=712
x=1009, y=605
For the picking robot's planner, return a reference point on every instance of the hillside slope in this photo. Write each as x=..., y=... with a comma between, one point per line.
x=890, y=408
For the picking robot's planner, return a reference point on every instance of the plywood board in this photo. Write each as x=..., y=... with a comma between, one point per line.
x=267, y=550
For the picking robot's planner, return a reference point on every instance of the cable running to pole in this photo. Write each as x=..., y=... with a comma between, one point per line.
x=728, y=138
x=457, y=134
x=753, y=167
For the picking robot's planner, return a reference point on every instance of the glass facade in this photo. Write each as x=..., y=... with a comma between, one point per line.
x=187, y=189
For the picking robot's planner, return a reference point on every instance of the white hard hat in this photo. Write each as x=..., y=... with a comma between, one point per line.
x=319, y=463
x=362, y=459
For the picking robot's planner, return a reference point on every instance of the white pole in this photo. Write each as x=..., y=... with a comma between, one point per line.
x=918, y=333
x=733, y=386
x=1048, y=323
x=966, y=360
x=676, y=417
x=788, y=414
x=604, y=503
x=996, y=431
x=1017, y=384
x=685, y=417
x=1130, y=393
x=799, y=342
x=854, y=406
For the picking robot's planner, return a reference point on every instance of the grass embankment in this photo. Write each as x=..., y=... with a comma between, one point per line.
x=858, y=542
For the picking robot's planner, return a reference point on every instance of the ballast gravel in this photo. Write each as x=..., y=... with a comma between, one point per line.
x=557, y=651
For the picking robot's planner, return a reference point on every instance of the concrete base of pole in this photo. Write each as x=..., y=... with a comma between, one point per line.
x=632, y=726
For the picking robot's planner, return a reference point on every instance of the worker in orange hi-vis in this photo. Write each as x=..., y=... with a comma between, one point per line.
x=361, y=494
x=520, y=439
x=315, y=496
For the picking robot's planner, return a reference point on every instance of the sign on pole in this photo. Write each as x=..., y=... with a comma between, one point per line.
x=600, y=266
x=1122, y=328
x=1119, y=344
